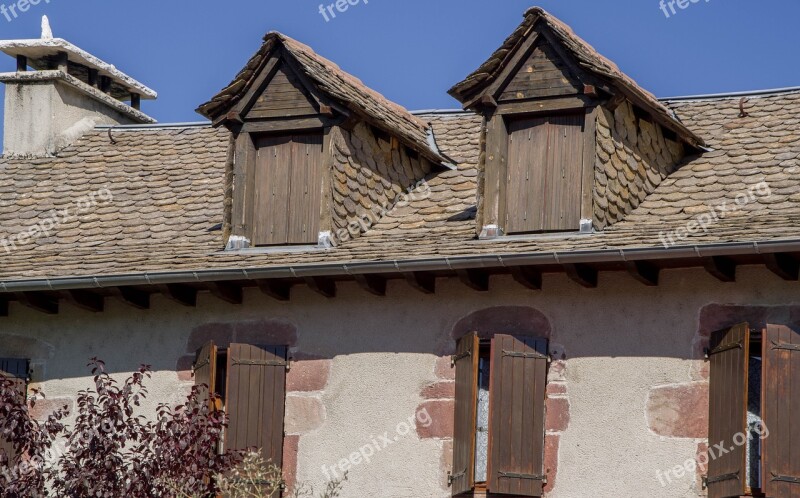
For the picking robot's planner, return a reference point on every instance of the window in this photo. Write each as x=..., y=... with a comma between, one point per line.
x=17, y=371
x=251, y=381
x=545, y=171
x=287, y=190
x=754, y=395
x=499, y=415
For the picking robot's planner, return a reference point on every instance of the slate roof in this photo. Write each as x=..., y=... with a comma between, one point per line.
x=332, y=80
x=167, y=188
x=585, y=55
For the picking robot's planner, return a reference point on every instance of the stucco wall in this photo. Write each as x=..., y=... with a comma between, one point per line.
x=628, y=360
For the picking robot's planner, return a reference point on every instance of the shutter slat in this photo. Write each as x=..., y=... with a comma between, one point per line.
x=781, y=393
x=205, y=369
x=729, y=358
x=256, y=401
x=17, y=371
x=466, y=365
x=517, y=399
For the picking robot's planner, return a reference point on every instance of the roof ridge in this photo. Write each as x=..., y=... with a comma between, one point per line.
x=768, y=92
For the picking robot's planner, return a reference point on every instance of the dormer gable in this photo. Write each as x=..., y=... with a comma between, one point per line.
x=571, y=143
x=317, y=157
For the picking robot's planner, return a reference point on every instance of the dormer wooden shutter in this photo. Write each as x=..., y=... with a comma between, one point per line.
x=729, y=357
x=781, y=412
x=516, y=415
x=287, y=190
x=255, y=399
x=17, y=371
x=462, y=477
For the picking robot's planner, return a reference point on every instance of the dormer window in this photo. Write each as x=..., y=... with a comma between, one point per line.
x=315, y=152
x=570, y=143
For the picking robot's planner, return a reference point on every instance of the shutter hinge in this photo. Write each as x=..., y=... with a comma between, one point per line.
x=785, y=346
x=262, y=363
x=452, y=477
x=454, y=358
x=707, y=481
x=789, y=479
x=532, y=354
x=529, y=477
x=708, y=353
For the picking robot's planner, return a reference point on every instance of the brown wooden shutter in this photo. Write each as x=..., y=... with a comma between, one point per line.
x=545, y=170
x=17, y=371
x=462, y=478
x=516, y=415
x=205, y=369
x=781, y=411
x=256, y=393
x=729, y=356
x=288, y=190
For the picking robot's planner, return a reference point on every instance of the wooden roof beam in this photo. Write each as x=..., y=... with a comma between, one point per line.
x=786, y=266
x=584, y=275
x=132, y=297
x=276, y=289
x=181, y=294
x=85, y=300
x=323, y=286
x=474, y=279
x=39, y=302
x=528, y=277
x=423, y=282
x=644, y=271
x=227, y=291
x=721, y=267
x=374, y=284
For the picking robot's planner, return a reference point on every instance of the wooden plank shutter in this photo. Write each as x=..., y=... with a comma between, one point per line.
x=255, y=401
x=516, y=415
x=545, y=174
x=729, y=356
x=17, y=371
x=781, y=411
x=288, y=190
x=462, y=478
x=205, y=370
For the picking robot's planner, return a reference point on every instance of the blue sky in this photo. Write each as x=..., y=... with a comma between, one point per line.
x=412, y=51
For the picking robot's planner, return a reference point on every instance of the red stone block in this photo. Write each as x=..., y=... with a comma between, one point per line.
x=556, y=388
x=444, y=368
x=440, y=390
x=184, y=368
x=557, y=419
x=308, y=375
x=291, y=446
x=551, y=444
x=45, y=407
x=679, y=411
x=437, y=419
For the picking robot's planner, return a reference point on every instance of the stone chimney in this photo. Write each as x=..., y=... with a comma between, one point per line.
x=66, y=94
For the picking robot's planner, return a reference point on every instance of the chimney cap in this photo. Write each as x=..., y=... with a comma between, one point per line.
x=39, y=52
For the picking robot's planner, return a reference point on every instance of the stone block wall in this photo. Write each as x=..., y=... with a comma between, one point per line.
x=633, y=157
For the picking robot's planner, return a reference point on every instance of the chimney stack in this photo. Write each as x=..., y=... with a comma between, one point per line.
x=66, y=94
